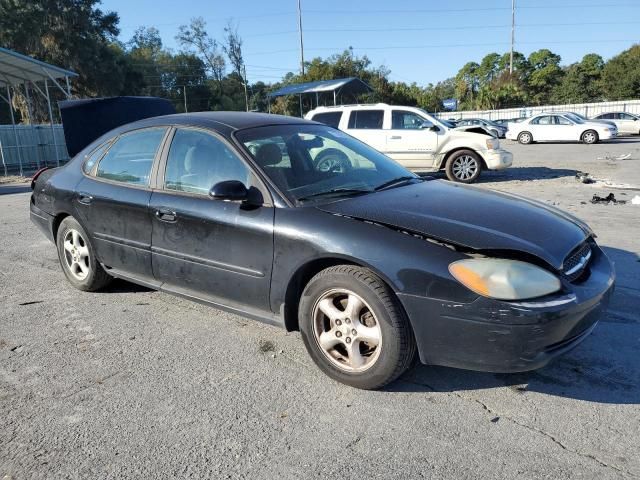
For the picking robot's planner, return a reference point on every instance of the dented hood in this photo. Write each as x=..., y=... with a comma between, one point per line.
x=471, y=217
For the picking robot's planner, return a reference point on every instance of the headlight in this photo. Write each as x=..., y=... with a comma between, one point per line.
x=504, y=279
x=493, y=143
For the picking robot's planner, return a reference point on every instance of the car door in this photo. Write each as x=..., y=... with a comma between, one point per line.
x=216, y=250
x=366, y=126
x=112, y=201
x=408, y=142
x=627, y=123
x=542, y=128
x=563, y=129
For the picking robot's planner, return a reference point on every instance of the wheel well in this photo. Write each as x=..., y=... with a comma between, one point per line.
x=56, y=224
x=297, y=284
x=448, y=154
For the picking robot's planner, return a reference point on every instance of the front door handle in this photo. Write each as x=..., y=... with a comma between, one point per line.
x=395, y=137
x=84, y=198
x=165, y=214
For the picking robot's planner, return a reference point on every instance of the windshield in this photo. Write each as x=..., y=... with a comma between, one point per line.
x=576, y=118
x=316, y=162
x=434, y=120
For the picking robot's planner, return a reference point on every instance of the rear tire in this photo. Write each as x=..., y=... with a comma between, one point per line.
x=354, y=327
x=589, y=137
x=525, y=138
x=77, y=257
x=464, y=166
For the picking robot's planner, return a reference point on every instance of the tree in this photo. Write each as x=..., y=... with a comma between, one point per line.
x=69, y=33
x=195, y=37
x=581, y=82
x=467, y=84
x=233, y=48
x=621, y=75
x=545, y=75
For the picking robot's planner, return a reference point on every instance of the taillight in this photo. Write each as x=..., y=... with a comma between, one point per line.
x=36, y=175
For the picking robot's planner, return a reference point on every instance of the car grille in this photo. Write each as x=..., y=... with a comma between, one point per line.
x=574, y=265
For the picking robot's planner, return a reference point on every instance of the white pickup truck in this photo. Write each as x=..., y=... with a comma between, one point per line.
x=417, y=140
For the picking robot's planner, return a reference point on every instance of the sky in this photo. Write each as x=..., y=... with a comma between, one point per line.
x=421, y=41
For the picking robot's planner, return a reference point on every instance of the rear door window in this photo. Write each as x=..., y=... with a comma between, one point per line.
x=366, y=119
x=130, y=158
x=328, y=118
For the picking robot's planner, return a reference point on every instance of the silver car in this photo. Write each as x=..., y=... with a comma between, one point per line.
x=627, y=123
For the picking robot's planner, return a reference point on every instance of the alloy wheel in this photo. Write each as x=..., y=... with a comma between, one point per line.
x=465, y=167
x=76, y=254
x=589, y=137
x=347, y=330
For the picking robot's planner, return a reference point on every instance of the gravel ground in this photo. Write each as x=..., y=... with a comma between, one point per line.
x=131, y=383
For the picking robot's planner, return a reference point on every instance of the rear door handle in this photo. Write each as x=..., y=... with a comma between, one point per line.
x=84, y=198
x=165, y=214
x=395, y=137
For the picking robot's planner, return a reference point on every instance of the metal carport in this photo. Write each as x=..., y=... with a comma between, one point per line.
x=339, y=86
x=17, y=70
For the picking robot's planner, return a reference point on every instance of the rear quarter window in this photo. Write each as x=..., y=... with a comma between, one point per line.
x=328, y=118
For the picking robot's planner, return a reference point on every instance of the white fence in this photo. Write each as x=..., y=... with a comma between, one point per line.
x=586, y=109
x=26, y=148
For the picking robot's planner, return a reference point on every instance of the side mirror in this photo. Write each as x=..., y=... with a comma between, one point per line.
x=229, y=191
x=427, y=124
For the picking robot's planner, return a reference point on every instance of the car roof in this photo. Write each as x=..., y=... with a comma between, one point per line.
x=225, y=122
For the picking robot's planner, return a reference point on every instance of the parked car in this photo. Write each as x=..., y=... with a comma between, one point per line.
x=494, y=128
x=559, y=126
x=371, y=263
x=608, y=123
x=627, y=123
x=417, y=140
x=505, y=121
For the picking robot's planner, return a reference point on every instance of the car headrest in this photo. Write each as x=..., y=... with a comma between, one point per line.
x=198, y=159
x=269, y=155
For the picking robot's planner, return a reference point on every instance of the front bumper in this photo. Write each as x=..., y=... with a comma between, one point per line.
x=608, y=135
x=496, y=336
x=497, y=159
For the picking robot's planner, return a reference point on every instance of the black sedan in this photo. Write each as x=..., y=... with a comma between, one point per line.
x=369, y=261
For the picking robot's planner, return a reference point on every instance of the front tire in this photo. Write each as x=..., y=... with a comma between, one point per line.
x=77, y=257
x=525, y=138
x=354, y=328
x=463, y=166
x=589, y=137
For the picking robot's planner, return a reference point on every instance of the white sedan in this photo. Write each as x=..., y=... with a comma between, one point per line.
x=559, y=127
x=627, y=123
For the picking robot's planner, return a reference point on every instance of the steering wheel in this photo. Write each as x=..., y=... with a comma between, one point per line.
x=332, y=160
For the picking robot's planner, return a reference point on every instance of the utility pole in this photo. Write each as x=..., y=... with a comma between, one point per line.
x=246, y=97
x=184, y=93
x=513, y=33
x=301, y=46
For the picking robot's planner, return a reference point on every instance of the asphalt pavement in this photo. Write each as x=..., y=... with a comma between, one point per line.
x=132, y=383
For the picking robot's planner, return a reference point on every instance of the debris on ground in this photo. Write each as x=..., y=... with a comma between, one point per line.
x=495, y=419
x=611, y=158
x=636, y=200
x=609, y=199
x=584, y=177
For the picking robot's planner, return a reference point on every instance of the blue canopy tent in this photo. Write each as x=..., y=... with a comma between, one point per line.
x=339, y=87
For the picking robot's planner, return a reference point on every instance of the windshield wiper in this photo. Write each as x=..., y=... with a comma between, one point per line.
x=335, y=191
x=395, y=181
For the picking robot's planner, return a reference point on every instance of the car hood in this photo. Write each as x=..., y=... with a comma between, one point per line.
x=470, y=217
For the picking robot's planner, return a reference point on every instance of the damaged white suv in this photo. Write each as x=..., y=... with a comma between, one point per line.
x=417, y=140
